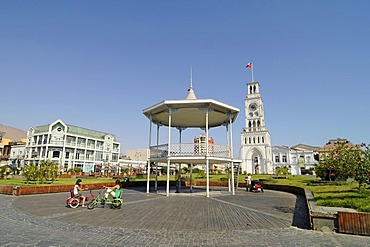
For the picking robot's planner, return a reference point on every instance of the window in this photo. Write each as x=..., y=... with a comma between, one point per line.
x=77, y=155
x=284, y=158
x=67, y=155
x=263, y=139
x=308, y=158
x=56, y=154
x=277, y=159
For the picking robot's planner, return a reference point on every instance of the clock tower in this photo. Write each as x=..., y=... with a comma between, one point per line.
x=255, y=137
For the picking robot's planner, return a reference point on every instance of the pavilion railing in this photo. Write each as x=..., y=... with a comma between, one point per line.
x=190, y=149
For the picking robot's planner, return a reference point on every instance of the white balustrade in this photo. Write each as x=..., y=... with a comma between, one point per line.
x=190, y=149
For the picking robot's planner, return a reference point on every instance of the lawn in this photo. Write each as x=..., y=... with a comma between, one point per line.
x=332, y=195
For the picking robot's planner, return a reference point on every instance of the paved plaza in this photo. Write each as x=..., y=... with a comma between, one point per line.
x=185, y=219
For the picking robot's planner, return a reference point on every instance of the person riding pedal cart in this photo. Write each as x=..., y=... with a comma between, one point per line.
x=76, y=191
x=113, y=191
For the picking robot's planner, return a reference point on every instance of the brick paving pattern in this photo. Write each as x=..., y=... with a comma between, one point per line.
x=246, y=219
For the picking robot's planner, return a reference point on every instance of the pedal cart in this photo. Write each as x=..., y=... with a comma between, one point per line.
x=100, y=199
x=75, y=202
x=256, y=186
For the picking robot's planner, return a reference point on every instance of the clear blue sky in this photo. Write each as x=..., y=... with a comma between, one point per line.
x=98, y=64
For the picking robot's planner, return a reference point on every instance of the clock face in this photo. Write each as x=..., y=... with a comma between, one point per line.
x=253, y=107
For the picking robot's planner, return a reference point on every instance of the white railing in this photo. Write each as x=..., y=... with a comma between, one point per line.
x=190, y=149
x=57, y=142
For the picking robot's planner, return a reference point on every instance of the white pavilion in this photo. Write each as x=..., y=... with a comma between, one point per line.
x=191, y=113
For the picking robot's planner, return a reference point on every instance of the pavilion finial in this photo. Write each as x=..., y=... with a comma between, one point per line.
x=191, y=76
x=191, y=94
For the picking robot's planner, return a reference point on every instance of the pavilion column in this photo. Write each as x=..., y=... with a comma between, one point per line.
x=228, y=165
x=180, y=142
x=169, y=151
x=231, y=153
x=207, y=160
x=148, y=169
x=156, y=164
x=191, y=177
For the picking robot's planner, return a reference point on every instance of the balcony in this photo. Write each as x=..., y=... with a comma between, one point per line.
x=59, y=143
x=190, y=150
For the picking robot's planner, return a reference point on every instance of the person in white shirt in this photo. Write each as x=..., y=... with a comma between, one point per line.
x=76, y=191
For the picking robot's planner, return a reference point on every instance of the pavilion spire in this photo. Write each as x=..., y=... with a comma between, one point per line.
x=191, y=94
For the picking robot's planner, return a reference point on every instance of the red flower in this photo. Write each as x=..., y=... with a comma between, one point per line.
x=330, y=167
x=332, y=174
x=362, y=144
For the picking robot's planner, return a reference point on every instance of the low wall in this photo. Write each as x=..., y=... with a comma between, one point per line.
x=354, y=223
x=6, y=190
x=343, y=220
x=31, y=190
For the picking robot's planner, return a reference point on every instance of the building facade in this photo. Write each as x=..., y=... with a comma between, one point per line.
x=255, y=137
x=298, y=158
x=325, y=151
x=71, y=146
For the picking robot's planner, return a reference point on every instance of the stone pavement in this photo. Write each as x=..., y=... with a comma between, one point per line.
x=246, y=219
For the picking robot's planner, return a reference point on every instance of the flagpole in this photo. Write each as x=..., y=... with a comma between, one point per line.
x=252, y=73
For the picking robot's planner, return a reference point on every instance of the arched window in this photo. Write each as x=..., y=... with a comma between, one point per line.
x=250, y=124
x=258, y=139
x=254, y=89
x=254, y=139
x=263, y=139
x=258, y=123
x=250, y=141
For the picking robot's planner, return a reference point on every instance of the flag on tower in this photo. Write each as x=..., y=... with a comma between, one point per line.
x=250, y=66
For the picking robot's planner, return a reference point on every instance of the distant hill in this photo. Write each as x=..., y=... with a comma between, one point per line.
x=12, y=133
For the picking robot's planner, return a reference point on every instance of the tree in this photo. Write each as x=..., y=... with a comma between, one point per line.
x=282, y=171
x=47, y=170
x=346, y=162
x=361, y=171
